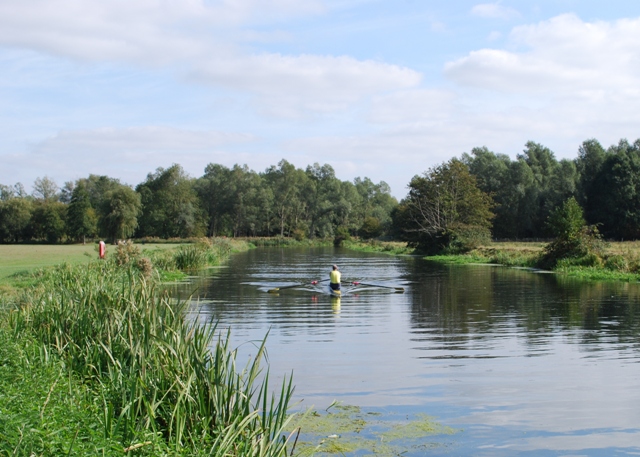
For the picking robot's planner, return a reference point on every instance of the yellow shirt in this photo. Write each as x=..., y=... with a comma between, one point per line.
x=334, y=277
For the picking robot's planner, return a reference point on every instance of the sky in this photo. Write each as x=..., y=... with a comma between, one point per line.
x=375, y=88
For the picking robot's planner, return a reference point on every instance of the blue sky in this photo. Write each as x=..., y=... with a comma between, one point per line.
x=383, y=89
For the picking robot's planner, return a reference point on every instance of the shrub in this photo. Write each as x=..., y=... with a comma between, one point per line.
x=342, y=234
x=464, y=238
x=574, y=239
x=371, y=228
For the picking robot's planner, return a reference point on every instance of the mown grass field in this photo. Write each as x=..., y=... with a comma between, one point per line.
x=16, y=258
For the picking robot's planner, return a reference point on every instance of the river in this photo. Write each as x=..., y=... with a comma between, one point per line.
x=516, y=362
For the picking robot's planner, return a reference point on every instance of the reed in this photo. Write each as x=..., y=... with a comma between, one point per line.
x=153, y=372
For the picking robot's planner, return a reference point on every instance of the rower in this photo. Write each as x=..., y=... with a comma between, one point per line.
x=334, y=279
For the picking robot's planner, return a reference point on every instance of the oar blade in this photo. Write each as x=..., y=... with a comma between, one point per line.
x=397, y=289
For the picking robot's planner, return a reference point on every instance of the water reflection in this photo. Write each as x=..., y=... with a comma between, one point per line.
x=524, y=362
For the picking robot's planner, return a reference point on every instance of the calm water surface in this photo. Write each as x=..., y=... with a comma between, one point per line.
x=521, y=363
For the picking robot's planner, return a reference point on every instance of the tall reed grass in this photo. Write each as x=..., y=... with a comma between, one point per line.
x=194, y=256
x=153, y=372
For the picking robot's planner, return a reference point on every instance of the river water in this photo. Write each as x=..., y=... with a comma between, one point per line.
x=517, y=362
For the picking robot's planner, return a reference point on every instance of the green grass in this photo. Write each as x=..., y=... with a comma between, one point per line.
x=459, y=259
x=138, y=374
x=383, y=247
x=20, y=258
x=44, y=410
x=278, y=241
x=597, y=274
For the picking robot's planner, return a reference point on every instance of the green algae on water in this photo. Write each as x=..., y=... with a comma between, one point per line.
x=347, y=430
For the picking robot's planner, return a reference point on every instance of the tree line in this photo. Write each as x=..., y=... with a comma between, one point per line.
x=283, y=200
x=478, y=195
x=483, y=194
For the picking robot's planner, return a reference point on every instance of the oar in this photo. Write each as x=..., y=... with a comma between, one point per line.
x=277, y=289
x=397, y=289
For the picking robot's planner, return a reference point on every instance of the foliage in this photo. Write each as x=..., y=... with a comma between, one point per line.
x=445, y=210
x=614, y=198
x=384, y=247
x=15, y=218
x=48, y=221
x=43, y=409
x=371, y=228
x=342, y=234
x=119, y=213
x=82, y=220
x=574, y=239
x=170, y=206
x=45, y=189
x=151, y=372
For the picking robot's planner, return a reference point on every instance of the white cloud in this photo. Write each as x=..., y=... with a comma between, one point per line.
x=198, y=38
x=287, y=86
x=419, y=105
x=150, y=139
x=563, y=54
x=128, y=153
x=494, y=11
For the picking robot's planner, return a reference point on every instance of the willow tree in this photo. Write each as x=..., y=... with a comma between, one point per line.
x=445, y=210
x=119, y=213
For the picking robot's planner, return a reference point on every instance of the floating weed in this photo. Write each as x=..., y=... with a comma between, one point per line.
x=422, y=426
x=346, y=429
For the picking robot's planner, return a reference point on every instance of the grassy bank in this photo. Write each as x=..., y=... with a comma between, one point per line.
x=97, y=360
x=620, y=260
x=383, y=247
x=278, y=241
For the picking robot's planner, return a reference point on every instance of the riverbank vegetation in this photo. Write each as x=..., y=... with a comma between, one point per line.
x=96, y=359
x=282, y=201
x=455, y=205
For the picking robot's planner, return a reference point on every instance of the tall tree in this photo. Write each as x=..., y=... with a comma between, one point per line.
x=45, y=189
x=321, y=196
x=445, y=209
x=615, y=193
x=591, y=157
x=82, y=220
x=48, y=221
x=15, y=215
x=539, y=198
x=170, y=207
x=118, y=216
x=372, y=210
x=215, y=198
x=286, y=183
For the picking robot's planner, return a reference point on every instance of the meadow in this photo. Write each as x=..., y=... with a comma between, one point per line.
x=25, y=258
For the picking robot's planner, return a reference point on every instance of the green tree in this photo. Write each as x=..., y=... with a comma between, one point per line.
x=235, y=200
x=495, y=177
x=445, y=210
x=321, y=197
x=614, y=200
x=45, y=189
x=573, y=238
x=48, y=221
x=286, y=183
x=215, y=198
x=539, y=198
x=375, y=201
x=15, y=216
x=591, y=157
x=119, y=211
x=82, y=220
x=371, y=228
x=170, y=206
